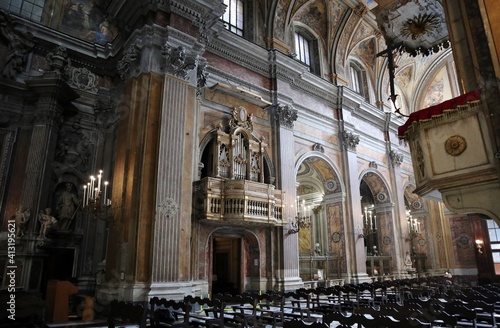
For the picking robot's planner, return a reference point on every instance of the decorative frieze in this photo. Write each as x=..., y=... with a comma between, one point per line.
x=350, y=140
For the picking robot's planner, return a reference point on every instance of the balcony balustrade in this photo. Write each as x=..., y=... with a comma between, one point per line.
x=238, y=202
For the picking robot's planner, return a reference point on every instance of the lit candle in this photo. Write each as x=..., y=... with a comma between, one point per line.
x=105, y=192
x=92, y=182
x=99, y=181
x=84, y=194
x=89, y=191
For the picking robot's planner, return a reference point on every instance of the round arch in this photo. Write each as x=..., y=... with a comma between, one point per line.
x=241, y=244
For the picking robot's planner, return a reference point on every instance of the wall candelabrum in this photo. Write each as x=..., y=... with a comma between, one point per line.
x=369, y=223
x=95, y=196
x=413, y=227
x=302, y=220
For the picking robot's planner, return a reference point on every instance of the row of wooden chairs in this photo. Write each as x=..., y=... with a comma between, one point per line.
x=476, y=306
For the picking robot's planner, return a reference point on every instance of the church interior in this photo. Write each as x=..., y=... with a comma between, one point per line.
x=185, y=149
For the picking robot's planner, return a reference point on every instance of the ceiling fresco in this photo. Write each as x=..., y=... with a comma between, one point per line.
x=417, y=27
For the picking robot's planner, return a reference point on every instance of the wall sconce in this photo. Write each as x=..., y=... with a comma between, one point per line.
x=479, y=246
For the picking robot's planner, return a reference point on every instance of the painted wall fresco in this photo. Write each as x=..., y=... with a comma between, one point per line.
x=439, y=89
x=86, y=19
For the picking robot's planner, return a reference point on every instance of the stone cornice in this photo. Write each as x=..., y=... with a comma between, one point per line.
x=204, y=14
x=298, y=76
x=238, y=50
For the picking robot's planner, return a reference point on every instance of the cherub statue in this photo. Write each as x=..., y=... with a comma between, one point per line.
x=47, y=221
x=21, y=218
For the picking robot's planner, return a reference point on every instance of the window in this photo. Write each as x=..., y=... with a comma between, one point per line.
x=306, y=50
x=358, y=80
x=302, y=49
x=32, y=9
x=494, y=232
x=233, y=16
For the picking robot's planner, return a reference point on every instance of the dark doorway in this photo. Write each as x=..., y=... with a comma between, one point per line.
x=58, y=265
x=226, y=265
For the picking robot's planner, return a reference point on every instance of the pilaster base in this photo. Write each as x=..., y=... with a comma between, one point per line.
x=177, y=290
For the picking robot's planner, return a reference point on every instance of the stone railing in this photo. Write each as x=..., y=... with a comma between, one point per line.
x=238, y=202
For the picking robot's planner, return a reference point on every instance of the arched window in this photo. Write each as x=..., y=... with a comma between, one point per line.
x=233, y=16
x=306, y=50
x=358, y=80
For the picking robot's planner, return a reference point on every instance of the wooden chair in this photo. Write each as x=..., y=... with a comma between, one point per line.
x=205, y=312
x=297, y=323
x=121, y=312
x=168, y=313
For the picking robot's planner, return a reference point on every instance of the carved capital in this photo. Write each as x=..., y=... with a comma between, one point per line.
x=350, y=140
x=396, y=158
x=177, y=61
x=285, y=116
x=129, y=61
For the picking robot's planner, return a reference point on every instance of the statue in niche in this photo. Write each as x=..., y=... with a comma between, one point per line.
x=408, y=261
x=67, y=204
x=21, y=218
x=47, y=221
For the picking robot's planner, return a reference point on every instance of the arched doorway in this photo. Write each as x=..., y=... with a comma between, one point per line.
x=378, y=226
x=235, y=260
x=320, y=206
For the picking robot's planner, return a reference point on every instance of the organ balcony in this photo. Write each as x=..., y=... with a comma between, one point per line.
x=238, y=202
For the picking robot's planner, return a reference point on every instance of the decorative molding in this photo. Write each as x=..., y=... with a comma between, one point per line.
x=168, y=207
x=241, y=119
x=318, y=147
x=285, y=116
x=331, y=185
x=455, y=145
x=236, y=49
x=350, y=140
x=82, y=79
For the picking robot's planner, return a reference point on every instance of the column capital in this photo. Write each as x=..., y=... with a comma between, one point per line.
x=350, y=140
x=285, y=116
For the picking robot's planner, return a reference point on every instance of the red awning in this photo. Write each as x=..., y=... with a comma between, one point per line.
x=436, y=110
